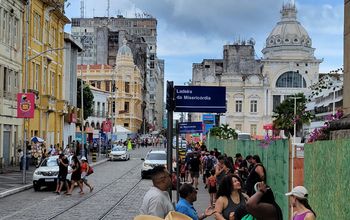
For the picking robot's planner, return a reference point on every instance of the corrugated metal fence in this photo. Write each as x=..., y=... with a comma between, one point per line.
x=327, y=177
x=275, y=158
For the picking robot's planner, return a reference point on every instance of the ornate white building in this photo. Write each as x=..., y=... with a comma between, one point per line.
x=255, y=87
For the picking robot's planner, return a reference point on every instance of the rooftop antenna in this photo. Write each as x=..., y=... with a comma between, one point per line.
x=82, y=9
x=108, y=7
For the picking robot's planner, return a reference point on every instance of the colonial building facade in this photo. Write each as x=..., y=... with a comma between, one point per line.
x=254, y=87
x=45, y=70
x=103, y=36
x=11, y=130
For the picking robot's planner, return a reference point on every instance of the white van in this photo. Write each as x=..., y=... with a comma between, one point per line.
x=244, y=136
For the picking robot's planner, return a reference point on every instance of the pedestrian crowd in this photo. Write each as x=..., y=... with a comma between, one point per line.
x=236, y=187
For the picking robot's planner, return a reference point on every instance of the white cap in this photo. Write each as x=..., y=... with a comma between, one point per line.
x=298, y=191
x=83, y=158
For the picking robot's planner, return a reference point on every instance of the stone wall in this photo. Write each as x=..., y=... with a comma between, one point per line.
x=340, y=134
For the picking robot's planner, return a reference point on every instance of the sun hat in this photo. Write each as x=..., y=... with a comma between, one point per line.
x=298, y=191
x=83, y=158
x=147, y=217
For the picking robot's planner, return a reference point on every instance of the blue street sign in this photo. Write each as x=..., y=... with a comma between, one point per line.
x=208, y=121
x=200, y=99
x=190, y=127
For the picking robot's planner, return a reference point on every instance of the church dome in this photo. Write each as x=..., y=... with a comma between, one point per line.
x=288, y=31
x=124, y=50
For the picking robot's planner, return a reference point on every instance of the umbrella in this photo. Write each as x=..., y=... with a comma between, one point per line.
x=37, y=139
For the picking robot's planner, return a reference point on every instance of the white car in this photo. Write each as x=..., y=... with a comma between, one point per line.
x=152, y=159
x=119, y=153
x=47, y=173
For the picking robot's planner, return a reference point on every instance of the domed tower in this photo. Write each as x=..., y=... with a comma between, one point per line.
x=128, y=90
x=289, y=64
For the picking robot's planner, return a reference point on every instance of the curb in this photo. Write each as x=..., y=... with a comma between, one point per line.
x=29, y=186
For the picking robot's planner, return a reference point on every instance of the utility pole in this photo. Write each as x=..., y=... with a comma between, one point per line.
x=82, y=96
x=24, y=164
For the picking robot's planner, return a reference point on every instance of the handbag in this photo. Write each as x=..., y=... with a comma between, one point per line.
x=90, y=171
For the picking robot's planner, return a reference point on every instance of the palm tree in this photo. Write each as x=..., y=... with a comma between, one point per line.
x=223, y=132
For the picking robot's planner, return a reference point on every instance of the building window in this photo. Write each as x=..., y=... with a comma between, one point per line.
x=152, y=64
x=37, y=26
x=239, y=105
x=16, y=81
x=127, y=87
x=98, y=84
x=103, y=109
x=276, y=102
x=107, y=87
x=126, y=125
x=36, y=68
x=15, y=34
x=238, y=127
x=291, y=80
x=52, y=83
x=254, y=106
x=4, y=26
x=98, y=109
x=44, y=80
x=6, y=87
x=253, y=128
x=126, y=107
x=113, y=107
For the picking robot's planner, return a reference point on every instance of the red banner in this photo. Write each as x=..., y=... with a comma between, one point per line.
x=25, y=105
x=107, y=126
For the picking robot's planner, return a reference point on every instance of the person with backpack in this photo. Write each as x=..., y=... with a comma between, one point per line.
x=208, y=165
x=212, y=187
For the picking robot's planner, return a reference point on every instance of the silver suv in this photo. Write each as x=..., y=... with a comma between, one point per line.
x=152, y=159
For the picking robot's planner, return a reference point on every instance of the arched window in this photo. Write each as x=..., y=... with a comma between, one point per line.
x=291, y=80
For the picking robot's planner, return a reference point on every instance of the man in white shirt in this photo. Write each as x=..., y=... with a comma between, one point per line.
x=157, y=201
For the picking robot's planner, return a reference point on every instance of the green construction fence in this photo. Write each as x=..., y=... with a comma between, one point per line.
x=274, y=156
x=327, y=178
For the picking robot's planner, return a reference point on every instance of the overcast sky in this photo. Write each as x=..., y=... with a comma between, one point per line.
x=192, y=30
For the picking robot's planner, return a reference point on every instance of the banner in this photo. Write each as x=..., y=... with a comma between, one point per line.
x=25, y=105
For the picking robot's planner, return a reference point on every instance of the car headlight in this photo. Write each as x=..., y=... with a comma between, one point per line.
x=37, y=173
x=147, y=165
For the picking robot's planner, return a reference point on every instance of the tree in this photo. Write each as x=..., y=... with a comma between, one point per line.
x=223, y=132
x=88, y=99
x=284, y=118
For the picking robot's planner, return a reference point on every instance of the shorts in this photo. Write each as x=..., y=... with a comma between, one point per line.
x=62, y=177
x=195, y=174
x=212, y=189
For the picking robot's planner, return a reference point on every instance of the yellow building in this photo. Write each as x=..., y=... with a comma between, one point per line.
x=126, y=101
x=45, y=69
x=128, y=90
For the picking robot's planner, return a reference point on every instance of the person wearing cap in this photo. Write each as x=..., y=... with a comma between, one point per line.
x=62, y=173
x=84, y=170
x=300, y=204
x=257, y=174
x=188, y=195
x=157, y=200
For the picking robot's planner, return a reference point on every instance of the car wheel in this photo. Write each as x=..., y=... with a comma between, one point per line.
x=36, y=187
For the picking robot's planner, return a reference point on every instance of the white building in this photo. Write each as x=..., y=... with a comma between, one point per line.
x=70, y=87
x=11, y=130
x=255, y=87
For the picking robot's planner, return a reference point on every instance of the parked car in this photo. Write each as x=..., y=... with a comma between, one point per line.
x=152, y=159
x=119, y=152
x=46, y=173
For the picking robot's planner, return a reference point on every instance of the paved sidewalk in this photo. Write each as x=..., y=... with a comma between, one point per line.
x=11, y=180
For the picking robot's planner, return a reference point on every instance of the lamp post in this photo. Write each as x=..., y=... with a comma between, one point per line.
x=294, y=136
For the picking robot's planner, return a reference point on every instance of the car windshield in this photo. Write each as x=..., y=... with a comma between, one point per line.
x=156, y=156
x=118, y=148
x=50, y=162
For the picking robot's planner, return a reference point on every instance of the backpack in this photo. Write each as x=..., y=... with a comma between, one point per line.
x=209, y=164
x=212, y=182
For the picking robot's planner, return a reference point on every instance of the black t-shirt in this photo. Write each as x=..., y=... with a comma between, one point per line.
x=194, y=164
x=63, y=168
